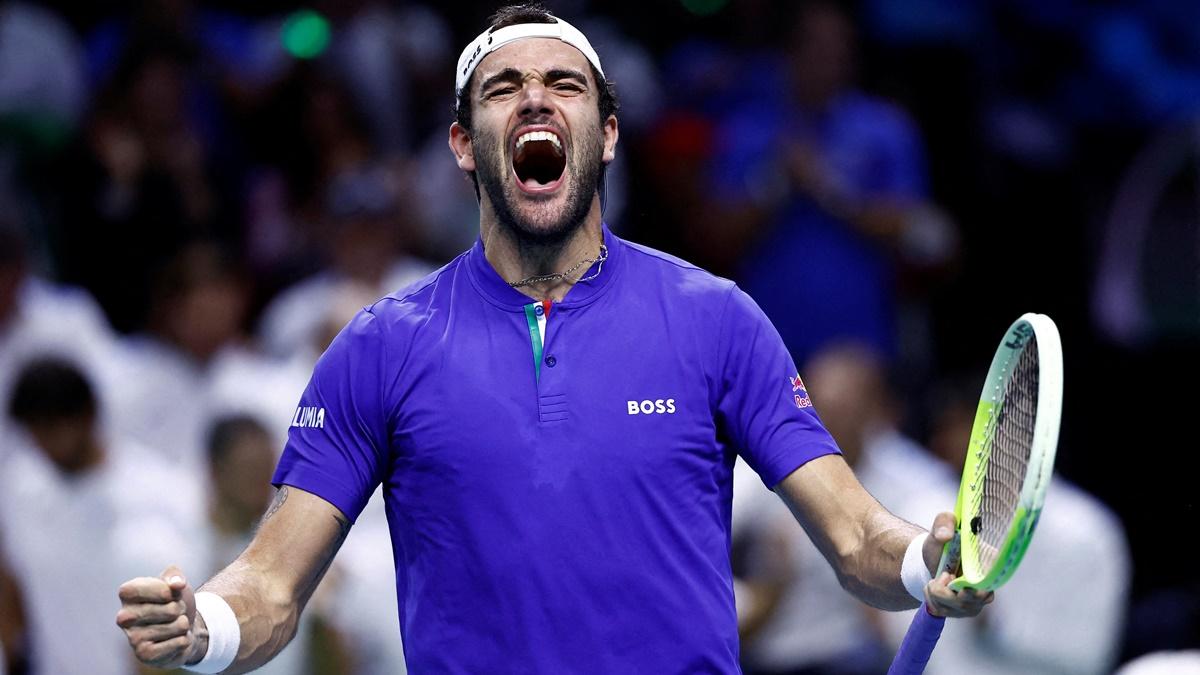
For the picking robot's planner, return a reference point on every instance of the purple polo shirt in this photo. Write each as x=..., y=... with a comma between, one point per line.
x=572, y=518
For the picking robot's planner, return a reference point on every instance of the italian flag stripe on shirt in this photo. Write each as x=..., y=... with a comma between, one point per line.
x=535, y=317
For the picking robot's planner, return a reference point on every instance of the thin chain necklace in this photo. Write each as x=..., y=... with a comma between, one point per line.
x=565, y=276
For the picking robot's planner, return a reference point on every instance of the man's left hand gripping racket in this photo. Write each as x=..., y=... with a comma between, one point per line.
x=1007, y=471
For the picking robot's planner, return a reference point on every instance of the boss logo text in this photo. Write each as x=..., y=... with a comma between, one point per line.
x=655, y=407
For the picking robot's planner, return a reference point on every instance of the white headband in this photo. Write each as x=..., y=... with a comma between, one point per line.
x=488, y=42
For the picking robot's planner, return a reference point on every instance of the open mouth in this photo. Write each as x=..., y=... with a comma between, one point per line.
x=539, y=160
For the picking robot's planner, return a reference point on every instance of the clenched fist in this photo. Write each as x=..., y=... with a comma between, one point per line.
x=158, y=615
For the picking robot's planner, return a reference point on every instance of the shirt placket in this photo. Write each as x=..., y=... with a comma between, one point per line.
x=552, y=407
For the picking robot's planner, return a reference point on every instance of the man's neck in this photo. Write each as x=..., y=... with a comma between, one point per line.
x=89, y=458
x=516, y=259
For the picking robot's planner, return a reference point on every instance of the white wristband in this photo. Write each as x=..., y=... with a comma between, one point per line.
x=913, y=571
x=224, y=633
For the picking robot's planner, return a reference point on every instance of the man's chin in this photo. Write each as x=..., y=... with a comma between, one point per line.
x=543, y=218
x=542, y=231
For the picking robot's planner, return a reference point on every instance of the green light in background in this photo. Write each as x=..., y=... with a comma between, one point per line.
x=704, y=7
x=305, y=34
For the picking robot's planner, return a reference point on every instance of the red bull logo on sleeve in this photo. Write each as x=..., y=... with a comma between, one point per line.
x=801, y=398
x=797, y=383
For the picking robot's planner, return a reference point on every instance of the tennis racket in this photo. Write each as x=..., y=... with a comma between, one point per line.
x=1009, y=462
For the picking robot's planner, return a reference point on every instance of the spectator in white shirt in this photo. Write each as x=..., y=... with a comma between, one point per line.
x=1039, y=624
x=369, y=230
x=197, y=363
x=79, y=513
x=241, y=455
x=38, y=318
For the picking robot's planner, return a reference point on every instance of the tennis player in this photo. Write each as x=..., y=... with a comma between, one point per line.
x=554, y=417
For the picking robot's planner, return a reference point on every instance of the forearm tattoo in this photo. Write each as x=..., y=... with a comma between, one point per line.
x=281, y=496
x=334, y=547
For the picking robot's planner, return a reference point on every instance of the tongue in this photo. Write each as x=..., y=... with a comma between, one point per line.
x=538, y=164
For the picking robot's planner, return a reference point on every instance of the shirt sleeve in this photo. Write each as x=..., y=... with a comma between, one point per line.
x=337, y=444
x=763, y=404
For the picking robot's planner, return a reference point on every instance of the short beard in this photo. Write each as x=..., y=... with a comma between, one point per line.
x=534, y=241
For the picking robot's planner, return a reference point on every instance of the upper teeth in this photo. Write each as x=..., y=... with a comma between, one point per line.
x=539, y=136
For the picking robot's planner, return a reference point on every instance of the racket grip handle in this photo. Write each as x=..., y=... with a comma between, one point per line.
x=922, y=636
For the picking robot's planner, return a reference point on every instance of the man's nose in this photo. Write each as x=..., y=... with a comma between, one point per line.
x=534, y=99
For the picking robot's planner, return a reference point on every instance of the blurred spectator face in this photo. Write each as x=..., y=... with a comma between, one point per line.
x=365, y=247
x=327, y=110
x=203, y=305
x=823, y=53
x=67, y=442
x=953, y=403
x=331, y=121
x=241, y=474
x=207, y=317
x=951, y=432
x=349, y=298
x=156, y=95
x=55, y=403
x=846, y=385
x=167, y=13
x=364, y=210
x=12, y=271
x=11, y=276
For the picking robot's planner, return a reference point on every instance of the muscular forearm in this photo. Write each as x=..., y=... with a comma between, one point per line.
x=866, y=545
x=268, y=605
x=267, y=617
x=872, y=571
x=263, y=593
x=863, y=542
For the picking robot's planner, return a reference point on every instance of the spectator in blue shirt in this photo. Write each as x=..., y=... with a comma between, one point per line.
x=820, y=193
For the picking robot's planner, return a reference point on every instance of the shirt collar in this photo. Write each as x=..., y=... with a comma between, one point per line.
x=487, y=281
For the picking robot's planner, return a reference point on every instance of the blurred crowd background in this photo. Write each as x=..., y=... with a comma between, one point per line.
x=196, y=196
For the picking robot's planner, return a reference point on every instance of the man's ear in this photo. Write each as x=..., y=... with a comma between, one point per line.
x=460, y=145
x=611, y=132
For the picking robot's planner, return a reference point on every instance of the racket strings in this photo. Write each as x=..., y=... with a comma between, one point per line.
x=1010, y=441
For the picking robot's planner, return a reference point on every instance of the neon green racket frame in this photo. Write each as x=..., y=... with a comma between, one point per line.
x=1032, y=331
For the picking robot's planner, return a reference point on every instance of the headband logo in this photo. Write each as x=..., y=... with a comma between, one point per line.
x=494, y=38
x=478, y=48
